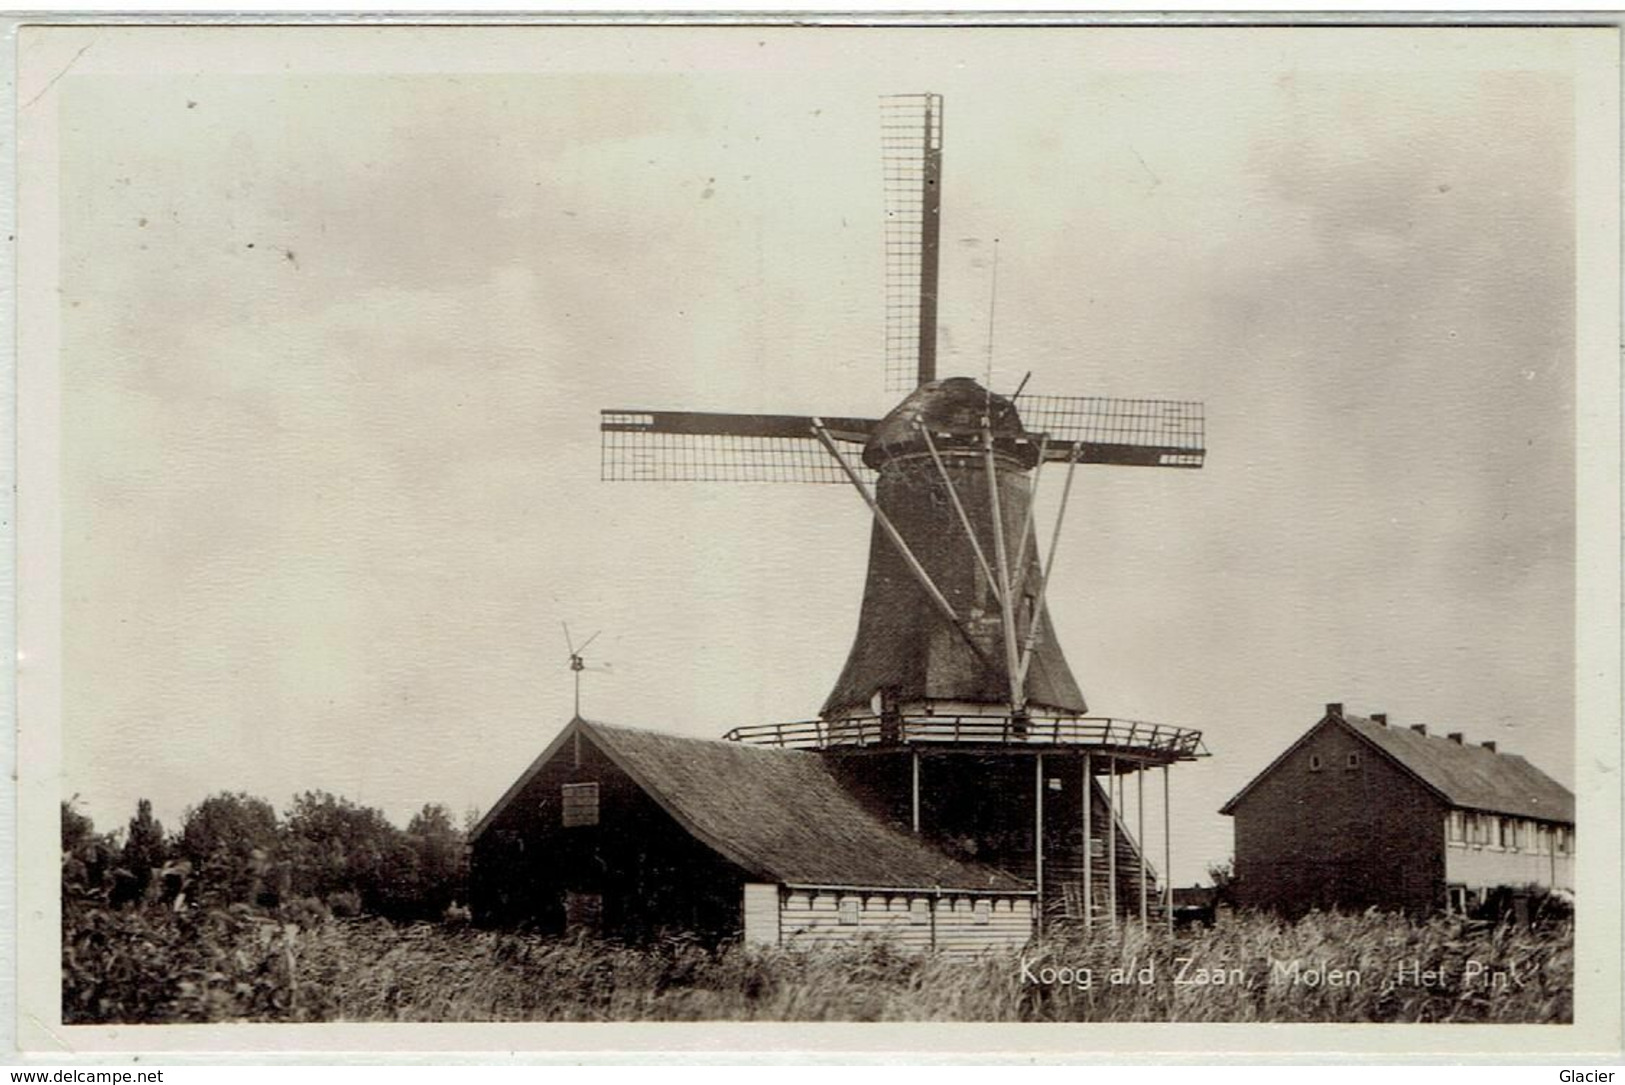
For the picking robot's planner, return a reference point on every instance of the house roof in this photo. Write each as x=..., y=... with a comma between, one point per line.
x=1462, y=775
x=779, y=814
x=1470, y=776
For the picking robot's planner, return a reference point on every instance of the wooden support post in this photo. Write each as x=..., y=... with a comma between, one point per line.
x=1139, y=830
x=1088, y=844
x=1027, y=531
x=1167, y=855
x=1012, y=658
x=1049, y=566
x=915, y=791
x=1038, y=838
x=1111, y=841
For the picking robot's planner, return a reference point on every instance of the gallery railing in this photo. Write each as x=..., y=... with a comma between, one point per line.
x=1161, y=741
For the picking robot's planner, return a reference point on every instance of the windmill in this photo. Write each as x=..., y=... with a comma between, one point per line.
x=954, y=652
x=578, y=662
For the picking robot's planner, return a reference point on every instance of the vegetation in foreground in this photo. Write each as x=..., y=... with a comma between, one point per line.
x=320, y=916
x=157, y=965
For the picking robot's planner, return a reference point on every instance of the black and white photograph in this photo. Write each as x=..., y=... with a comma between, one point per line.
x=758, y=523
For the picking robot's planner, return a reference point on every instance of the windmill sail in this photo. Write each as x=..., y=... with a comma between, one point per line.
x=911, y=162
x=703, y=446
x=1124, y=432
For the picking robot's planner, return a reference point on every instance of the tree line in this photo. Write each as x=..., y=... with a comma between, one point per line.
x=323, y=852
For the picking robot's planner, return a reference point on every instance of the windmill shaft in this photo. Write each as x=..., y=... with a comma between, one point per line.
x=930, y=240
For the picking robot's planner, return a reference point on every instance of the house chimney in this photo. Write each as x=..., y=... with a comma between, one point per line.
x=1454, y=736
x=1380, y=719
x=1335, y=710
x=1490, y=746
x=1420, y=728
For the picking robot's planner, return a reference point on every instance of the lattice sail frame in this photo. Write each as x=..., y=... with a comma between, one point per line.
x=911, y=170
x=1126, y=432
x=683, y=446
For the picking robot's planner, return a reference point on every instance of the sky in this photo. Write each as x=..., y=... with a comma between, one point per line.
x=338, y=317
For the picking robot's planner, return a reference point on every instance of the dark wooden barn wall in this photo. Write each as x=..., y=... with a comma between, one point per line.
x=1345, y=837
x=650, y=874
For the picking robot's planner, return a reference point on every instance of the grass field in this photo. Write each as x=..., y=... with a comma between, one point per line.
x=151, y=965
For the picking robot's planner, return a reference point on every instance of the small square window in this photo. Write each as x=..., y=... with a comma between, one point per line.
x=1353, y=760
x=580, y=805
x=1315, y=764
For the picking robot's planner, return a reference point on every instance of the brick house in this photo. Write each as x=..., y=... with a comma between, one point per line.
x=1356, y=814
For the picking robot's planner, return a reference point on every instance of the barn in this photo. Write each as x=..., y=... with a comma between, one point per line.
x=773, y=836
x=1357, y=813
x=631, y=833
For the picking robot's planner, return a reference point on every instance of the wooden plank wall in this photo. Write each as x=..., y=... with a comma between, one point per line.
x=809, y=918
x=761, y=910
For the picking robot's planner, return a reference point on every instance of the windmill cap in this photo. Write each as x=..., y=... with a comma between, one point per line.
x=952, y=410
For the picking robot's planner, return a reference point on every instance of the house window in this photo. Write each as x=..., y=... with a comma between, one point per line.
x=983, y=912
x=847, y=909
x=1314, y=762
x=1456, y=827
x=580, y=805
x=1560, y=840
x=1353, y=760
x=1542, y=843
x=919, y=911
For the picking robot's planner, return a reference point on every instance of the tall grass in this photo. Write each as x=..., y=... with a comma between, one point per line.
x=152, y=965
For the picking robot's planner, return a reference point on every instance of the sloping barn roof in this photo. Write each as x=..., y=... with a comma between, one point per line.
x=779, y=814
x=1463, y=775
x=1470, y=775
